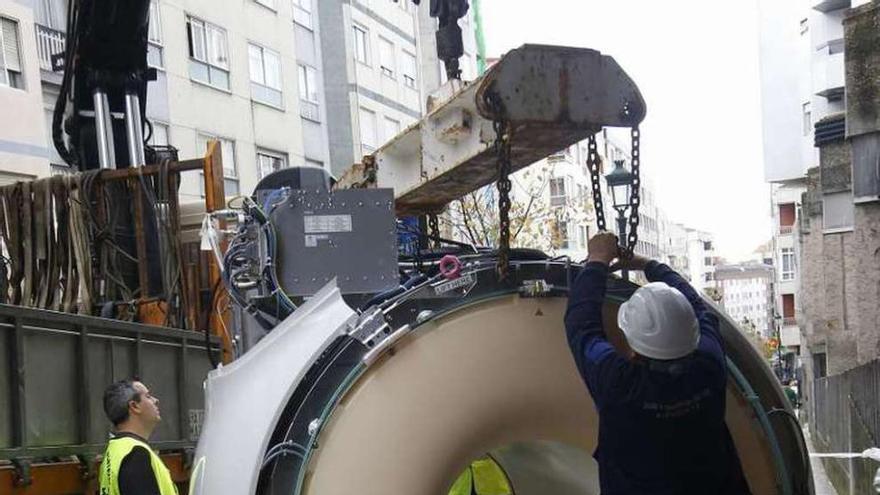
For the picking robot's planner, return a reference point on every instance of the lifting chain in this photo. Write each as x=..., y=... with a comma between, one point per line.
x=502, y=153
x=635, y=199
x=434, y=230
x=593, y=164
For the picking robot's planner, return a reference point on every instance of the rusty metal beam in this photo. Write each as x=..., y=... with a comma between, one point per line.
x=552, y=97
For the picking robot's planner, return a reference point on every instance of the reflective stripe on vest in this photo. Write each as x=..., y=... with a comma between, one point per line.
x=116, y=451
x=483, y=477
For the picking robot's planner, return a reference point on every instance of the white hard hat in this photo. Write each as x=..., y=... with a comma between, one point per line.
x=659, y=322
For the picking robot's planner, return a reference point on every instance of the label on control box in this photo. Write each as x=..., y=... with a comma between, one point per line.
x=322, y=224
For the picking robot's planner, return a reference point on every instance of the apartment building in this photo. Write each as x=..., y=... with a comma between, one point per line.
x=279, y=82
x=802, y=82
x=747, y=296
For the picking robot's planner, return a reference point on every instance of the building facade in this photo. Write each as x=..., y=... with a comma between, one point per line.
x=280, y=83
x=802, y=82
x=747, y=295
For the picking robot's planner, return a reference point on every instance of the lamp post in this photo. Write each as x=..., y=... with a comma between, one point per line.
x=620, y=182
x=779, y=367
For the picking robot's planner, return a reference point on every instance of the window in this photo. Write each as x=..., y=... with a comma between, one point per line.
x=558, y=191
x=308, y=93
x=368, y=131
x=707, y=261
x=209, y=56
x=787, y=306
x=10, y=56
x=160, y=134
x=786, y=217
x=52, y=14
x=302, y=13
x=707, y=245
x=837, y=212
x=820, y=368
x=808, y=118
x=154, y=38
x=265, y=70
x=230, y=171
x=392, y=128
x=409, y=70
x=361, y=45
x=787, y=264
x=583, y=236
x=562, y=234
x=386, y=57
x=269, y=161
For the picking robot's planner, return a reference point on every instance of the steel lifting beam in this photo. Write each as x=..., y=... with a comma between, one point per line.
x=552, y=97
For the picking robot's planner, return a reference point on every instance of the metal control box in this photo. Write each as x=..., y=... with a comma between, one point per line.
x=350, y=235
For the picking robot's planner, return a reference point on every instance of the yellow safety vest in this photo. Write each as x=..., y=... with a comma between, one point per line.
x=483, y=477
x=120, y=447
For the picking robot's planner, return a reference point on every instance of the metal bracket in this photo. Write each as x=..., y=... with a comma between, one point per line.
x=85, y=468
x=22, y=472
x=371, y=328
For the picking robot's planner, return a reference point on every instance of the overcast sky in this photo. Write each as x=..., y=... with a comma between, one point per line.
x=696, y=63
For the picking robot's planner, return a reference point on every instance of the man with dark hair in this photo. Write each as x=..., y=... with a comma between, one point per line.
x=130, y=466
x=661, y=402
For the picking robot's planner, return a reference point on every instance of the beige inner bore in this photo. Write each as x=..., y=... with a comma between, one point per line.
x=495, y=377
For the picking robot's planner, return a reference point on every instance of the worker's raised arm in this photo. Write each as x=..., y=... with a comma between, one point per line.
x=583, y=318
x=710, y=334
x=659, y=272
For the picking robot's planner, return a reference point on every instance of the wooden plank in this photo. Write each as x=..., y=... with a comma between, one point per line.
x=70, y=477
x=215, y=199
x=124, y=173
x=140, y=237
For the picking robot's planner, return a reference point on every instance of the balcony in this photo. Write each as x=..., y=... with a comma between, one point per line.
x=829, y=73
x=785, y=229
x=830, y=5
x=789, y=321
x=50, y=42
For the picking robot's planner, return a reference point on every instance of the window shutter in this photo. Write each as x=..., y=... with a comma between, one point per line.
x=10, y=44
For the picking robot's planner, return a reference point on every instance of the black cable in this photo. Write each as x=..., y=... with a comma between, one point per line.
x=805, y=455
x=472, y=248
x=67, y=155
x=211, y=357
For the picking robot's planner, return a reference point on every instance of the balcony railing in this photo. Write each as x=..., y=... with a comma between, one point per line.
x=785, y=229
x=49, y=42
x=789, y=321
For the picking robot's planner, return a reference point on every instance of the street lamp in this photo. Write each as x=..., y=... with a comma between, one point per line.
x=620, y=182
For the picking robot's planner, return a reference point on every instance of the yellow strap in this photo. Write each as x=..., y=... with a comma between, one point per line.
x=489, y=478
x=462, y=485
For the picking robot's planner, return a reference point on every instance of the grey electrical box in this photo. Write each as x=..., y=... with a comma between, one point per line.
x=349, y=234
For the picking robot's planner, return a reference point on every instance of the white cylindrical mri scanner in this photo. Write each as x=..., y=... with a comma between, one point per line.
x=401, y=398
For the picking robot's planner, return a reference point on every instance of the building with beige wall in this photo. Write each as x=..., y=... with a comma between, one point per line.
x=23, y=153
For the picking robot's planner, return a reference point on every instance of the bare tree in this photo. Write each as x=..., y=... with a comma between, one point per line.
x=534, y=222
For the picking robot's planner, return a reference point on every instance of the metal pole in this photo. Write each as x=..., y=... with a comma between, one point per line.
x=621, y=235
x=104, y=130
x=134, y=130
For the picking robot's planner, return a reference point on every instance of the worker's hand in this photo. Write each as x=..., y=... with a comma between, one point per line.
x=603, y=248
x=632, y=262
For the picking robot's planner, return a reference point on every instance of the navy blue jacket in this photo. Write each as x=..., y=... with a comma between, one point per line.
x=661, y=423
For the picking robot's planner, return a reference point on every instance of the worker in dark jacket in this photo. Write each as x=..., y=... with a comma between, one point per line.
x=661, y=408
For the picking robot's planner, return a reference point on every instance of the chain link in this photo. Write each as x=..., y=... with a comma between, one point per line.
x=434, y=229
x=636, y=192
x=593, y=164
x=502, y=152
